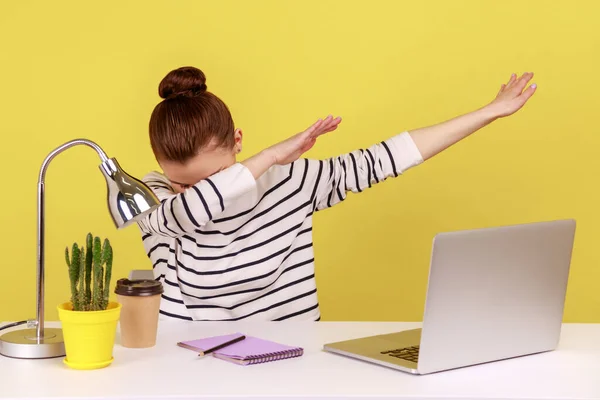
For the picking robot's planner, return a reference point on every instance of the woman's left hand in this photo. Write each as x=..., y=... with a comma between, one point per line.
x=512, y=96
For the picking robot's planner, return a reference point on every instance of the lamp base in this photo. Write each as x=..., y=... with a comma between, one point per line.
x=23, y=343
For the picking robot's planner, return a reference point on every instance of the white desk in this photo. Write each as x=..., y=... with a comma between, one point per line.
x=571, y=372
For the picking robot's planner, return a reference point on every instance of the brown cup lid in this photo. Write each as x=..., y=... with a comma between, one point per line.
x=140, y=287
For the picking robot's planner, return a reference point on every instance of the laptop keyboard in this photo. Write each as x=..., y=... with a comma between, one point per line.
x=406, y=353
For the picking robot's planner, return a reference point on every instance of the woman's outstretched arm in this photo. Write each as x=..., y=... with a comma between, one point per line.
x=360, y=169
x=512, y=97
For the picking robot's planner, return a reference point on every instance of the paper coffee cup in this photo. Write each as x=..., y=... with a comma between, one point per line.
x=140, y=301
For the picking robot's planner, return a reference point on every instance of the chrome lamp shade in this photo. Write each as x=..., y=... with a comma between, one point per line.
x=129, y=200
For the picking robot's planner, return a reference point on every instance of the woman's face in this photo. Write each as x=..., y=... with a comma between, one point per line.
x=207, y=162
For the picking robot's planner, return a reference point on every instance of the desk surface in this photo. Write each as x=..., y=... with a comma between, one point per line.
x=170, y=372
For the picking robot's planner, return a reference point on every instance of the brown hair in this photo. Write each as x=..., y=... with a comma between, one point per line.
x=189, y=118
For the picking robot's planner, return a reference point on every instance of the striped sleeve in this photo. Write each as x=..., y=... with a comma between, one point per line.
x=183, y=213
x=360, y=169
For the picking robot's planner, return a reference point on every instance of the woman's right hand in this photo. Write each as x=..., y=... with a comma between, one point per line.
x=291, y=149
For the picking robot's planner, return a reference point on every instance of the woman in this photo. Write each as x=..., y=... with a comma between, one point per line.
x=233, y=240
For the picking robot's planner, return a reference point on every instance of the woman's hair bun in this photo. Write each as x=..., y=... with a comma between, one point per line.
x=182, y=82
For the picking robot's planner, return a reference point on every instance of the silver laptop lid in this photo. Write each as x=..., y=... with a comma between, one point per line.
x=495, y=293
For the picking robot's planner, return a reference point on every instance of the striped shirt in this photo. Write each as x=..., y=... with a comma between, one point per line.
x=232, y=247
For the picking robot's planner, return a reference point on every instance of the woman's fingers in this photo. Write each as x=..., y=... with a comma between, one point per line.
x=308, y=138
x=514, y=87
x=528, y=93
x=513, y=78
x=315, y=126
x=501, y=88
x=522, y=82
x=332, y=125
x=329, y=124
x=331, y=128
x=326, y=123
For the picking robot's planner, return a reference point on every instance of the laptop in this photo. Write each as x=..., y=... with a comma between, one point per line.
x=493, y=294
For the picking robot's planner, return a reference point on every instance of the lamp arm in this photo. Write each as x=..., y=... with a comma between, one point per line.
x=65, y=146
x=41, y=224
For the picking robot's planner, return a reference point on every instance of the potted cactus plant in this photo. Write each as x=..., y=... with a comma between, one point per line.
x=89, y=319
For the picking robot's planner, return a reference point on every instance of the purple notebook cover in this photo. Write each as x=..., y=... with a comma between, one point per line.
x=250, y=347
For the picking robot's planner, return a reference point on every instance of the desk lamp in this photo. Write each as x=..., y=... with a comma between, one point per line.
x=129, y=199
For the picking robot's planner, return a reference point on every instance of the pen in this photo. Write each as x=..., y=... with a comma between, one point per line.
x=228, y=343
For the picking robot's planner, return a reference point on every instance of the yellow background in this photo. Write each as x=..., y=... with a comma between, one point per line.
x=91, y=69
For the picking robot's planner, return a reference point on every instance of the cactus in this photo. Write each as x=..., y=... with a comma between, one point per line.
x=107, y=257
x=96, y=296
x=88, y=268
x=81, y=292
x=90, y=280
x=74, y=272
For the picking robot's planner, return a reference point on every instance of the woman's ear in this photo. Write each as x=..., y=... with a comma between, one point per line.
x=237, y=136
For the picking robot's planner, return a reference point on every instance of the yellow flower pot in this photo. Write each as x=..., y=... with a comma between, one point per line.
x=89, y=335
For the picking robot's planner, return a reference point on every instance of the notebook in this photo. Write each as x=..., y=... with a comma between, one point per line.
x=251, y=350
